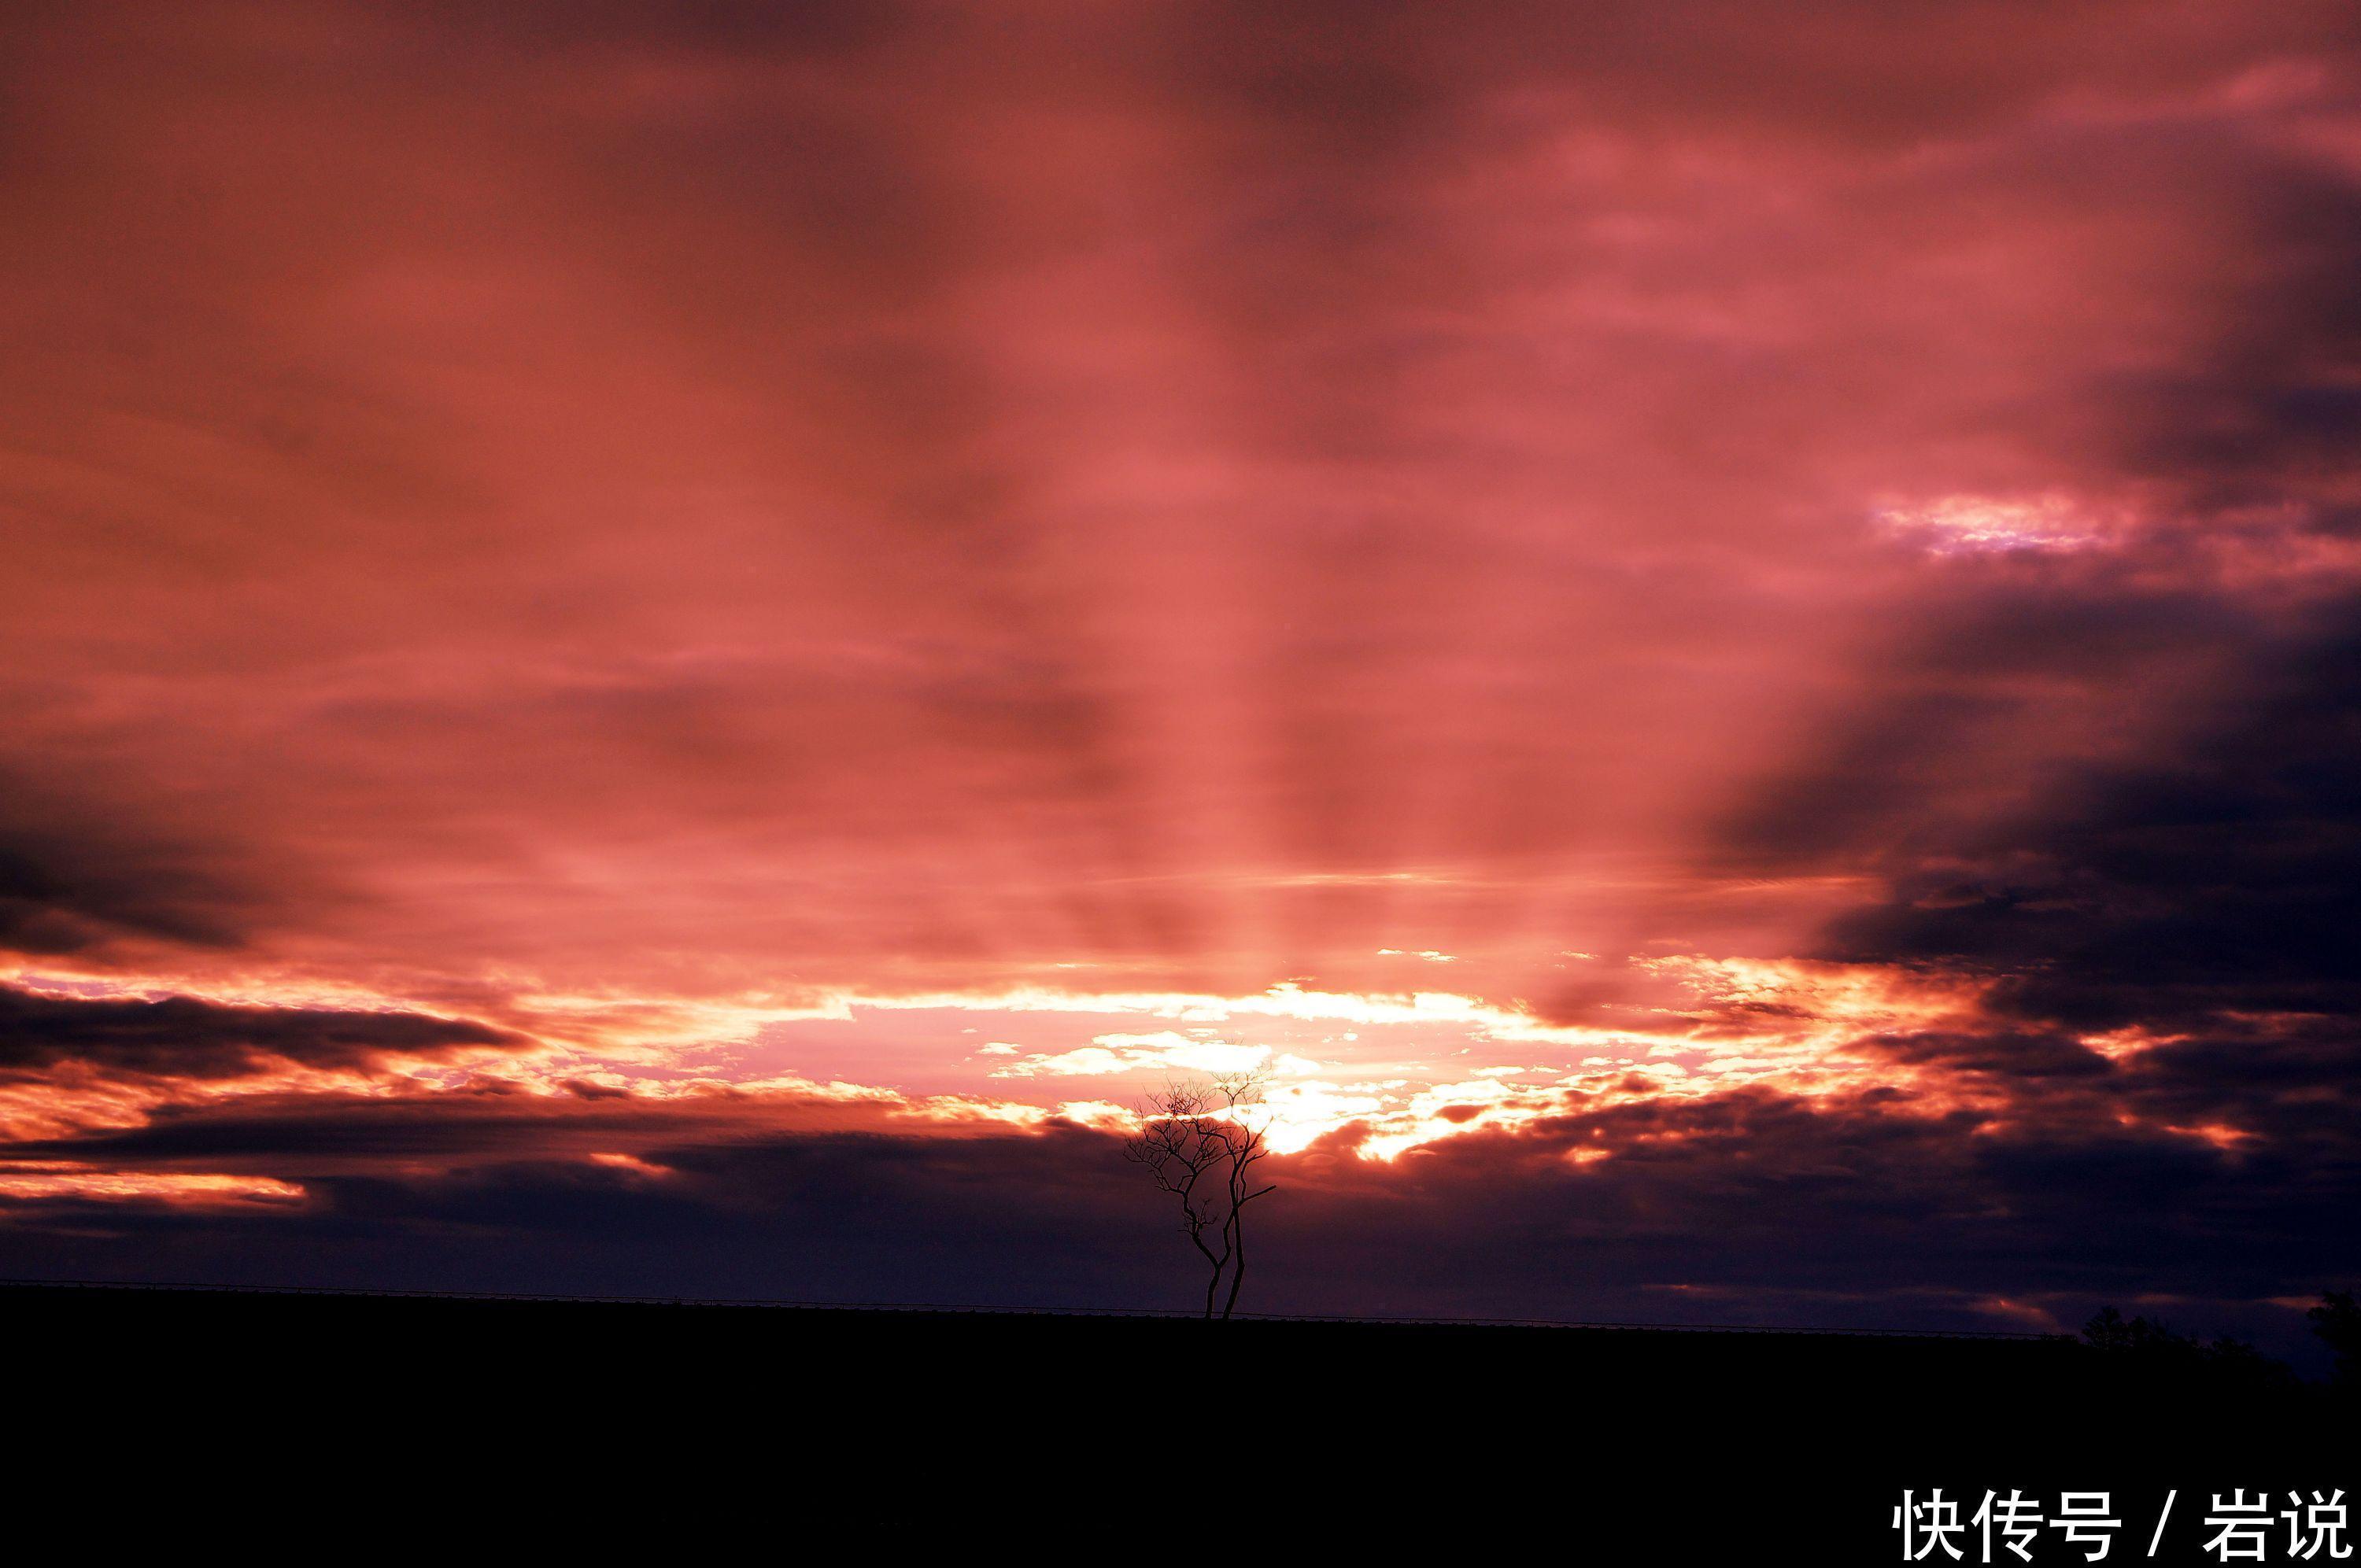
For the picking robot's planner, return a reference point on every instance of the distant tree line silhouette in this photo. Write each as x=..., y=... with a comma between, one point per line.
x=2228, y=1361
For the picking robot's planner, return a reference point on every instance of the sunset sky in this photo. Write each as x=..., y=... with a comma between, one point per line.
x=673, y=648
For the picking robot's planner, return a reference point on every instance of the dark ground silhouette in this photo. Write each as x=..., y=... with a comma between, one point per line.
x=656, y=1426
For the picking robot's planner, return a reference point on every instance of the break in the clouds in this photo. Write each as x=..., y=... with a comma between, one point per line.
x=1722, y=635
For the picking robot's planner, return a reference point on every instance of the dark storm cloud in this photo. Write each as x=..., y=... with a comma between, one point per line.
x=1953, y=715
x=2268, y=411
x=1847, y=1212
x=71, y=884
x=312, y=1132
x=2204, y=900
x=2220, y=875
x=2000, y=1051
x=61, y=898
x=182, y=1037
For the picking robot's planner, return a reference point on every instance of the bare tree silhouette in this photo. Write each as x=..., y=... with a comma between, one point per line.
x=1200, y=1140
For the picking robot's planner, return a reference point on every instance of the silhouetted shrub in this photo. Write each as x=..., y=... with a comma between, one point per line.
x=2151, y=1349
x=2337, y=1322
